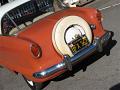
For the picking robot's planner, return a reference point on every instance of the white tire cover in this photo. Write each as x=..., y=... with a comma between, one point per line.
x=59, y=30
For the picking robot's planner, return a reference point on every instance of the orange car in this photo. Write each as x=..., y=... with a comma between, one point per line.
x=41, y=44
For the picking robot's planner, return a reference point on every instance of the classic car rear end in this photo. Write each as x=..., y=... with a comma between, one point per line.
x=53, y=60
x=49, y=46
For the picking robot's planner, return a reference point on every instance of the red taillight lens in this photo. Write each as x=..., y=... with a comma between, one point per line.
x=36, y=51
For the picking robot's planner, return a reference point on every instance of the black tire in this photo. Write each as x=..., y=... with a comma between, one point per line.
x=35, y=86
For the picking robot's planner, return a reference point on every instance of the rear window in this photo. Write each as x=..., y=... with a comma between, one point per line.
x=25, y=12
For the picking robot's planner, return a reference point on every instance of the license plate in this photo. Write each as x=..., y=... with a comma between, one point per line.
x=78, y=44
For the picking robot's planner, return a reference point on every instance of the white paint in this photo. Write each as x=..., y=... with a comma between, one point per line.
x=9, y=6
x=107, y=7
x=70, y=1
x=59, y=30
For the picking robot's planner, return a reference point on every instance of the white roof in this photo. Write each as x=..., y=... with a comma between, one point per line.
x=9, y=6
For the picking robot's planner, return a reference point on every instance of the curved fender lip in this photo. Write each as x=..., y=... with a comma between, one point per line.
x=15, y=54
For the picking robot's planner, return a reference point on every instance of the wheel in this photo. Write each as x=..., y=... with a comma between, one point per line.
x=33, y=85
x=66, y=30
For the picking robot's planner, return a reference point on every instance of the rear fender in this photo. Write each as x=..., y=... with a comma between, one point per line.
x=15, y=54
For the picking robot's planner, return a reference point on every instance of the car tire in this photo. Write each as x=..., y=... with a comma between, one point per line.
x=59, y=30
x=33, y=85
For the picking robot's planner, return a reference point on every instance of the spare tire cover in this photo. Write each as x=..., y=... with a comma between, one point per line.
x=61, y=35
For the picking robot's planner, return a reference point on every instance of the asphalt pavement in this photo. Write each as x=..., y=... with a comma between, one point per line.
x=98, y=72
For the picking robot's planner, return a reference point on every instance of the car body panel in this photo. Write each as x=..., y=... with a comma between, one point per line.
x=12, y=51
x=90, y=17
x=15, y=51
x=41, y=33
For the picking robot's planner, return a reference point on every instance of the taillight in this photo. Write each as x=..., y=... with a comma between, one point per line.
x=35, y=50
x=99, y=15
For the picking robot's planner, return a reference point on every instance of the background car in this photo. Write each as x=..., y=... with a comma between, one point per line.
x=72, y=3
x=42, y=44
x=2, y=2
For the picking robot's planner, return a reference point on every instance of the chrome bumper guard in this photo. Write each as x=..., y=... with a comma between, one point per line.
x=68, y=62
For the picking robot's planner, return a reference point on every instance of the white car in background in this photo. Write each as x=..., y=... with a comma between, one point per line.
x=72, y=3
x=28, y=12
x=2, y=2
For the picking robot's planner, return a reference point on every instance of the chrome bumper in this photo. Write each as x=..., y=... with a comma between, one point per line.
x=68, y=62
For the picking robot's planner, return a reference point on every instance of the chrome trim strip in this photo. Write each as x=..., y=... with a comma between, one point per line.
x=98, y=43
x=50, y=70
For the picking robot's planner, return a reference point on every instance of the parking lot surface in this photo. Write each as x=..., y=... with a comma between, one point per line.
x=98, y=72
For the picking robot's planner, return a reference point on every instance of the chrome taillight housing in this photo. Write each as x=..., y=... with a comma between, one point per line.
x=35, y=50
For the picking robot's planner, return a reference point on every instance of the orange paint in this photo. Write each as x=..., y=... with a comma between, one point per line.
x=15, y=51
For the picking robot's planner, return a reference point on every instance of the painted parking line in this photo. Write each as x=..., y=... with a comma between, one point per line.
x=107, y=7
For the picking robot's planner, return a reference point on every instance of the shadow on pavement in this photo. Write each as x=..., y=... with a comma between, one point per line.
x=88, y=61
x=116, y=87
x=1, y=87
